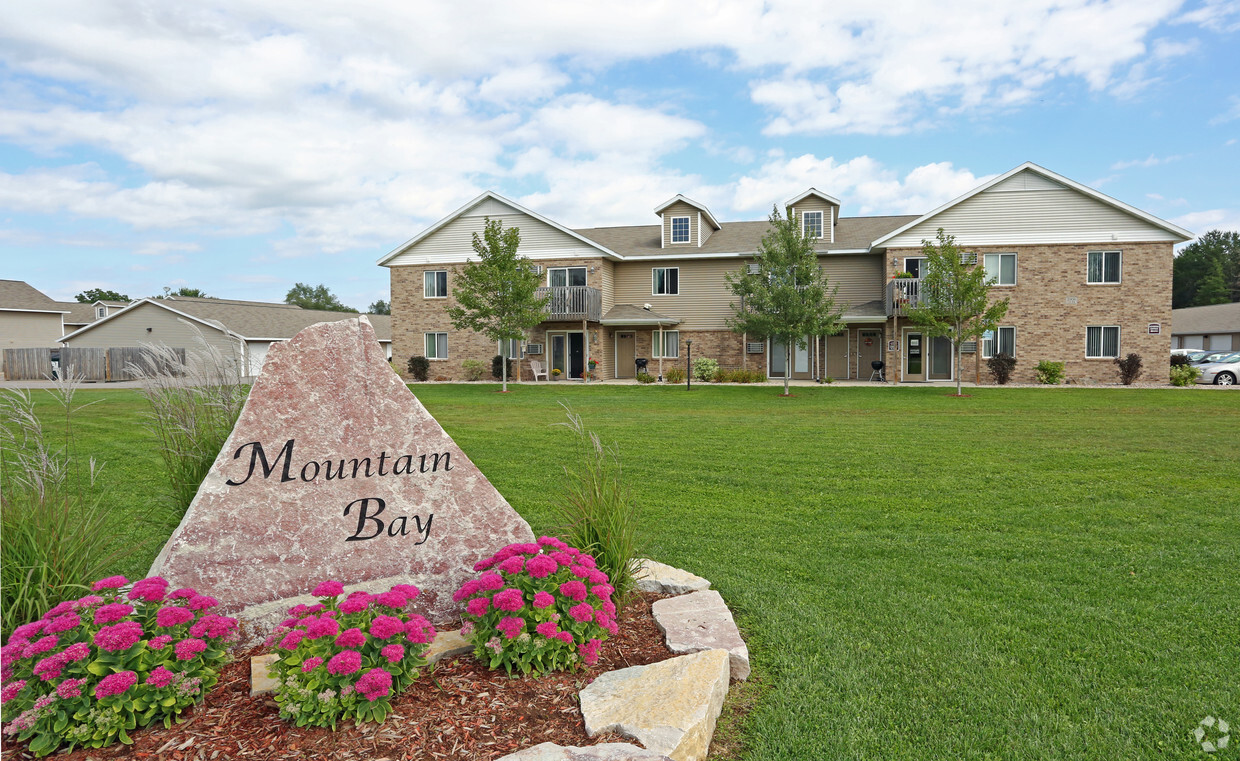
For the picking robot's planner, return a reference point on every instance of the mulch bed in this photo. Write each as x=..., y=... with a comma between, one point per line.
x=457, y=709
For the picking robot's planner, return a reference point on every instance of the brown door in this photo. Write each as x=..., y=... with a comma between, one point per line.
x=869, y=349
x=625, y=354
x=837, y=356
x=915, y=356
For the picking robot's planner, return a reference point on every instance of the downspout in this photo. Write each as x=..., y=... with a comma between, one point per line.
x=662, y=346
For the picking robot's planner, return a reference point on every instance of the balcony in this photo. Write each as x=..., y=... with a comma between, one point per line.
x=573, y=302
x=901, y=294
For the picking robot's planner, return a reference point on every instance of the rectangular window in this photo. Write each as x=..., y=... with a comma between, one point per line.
x=560, y=277
x=436, y=345
x=1001, y=341
x=1000, y=269
x=1103, y=267
x=514, y=348
x=435, y=283
x=671, y=344
x=811, y=224
x=665, y=281
x=680, y=229
x=101, y=312
x=1102, y=341
x=915, y=266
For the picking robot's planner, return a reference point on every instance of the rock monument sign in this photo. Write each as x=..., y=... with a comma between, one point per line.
x=335, y=470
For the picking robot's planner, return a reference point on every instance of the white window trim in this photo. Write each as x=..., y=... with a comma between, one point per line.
x=445, y=345
x=445, y=287
x=566, y=269
x=1104, y=268
x=822, y=222
x=101, y=312
x=499, y=348
x=1119, y=337
x=996, y=340
x=671, y=231
x=653, y=292
x=663, y=342
x=1015, y=268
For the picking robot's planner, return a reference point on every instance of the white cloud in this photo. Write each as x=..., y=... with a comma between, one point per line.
x=1231, y=114
x=1145, y=163
x=1212, y=219
x=1221, y=16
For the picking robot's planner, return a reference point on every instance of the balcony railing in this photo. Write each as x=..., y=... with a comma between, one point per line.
x=902, y=293
x=573, y=302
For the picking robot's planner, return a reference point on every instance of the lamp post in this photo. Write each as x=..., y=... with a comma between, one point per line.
x=689, y=365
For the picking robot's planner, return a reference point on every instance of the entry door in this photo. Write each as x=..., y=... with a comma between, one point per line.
x=800, y=360
x=778, y=359
x=940, y=358
x=559, y=355
x=870, y=349
x=914, y=356
x=576, y=354
x=837, y=356
x=625, y=354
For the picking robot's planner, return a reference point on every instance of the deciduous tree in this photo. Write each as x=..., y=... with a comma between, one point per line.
x=1207, y=271
x=379, y=307
x=317, y=297
x=91, y=295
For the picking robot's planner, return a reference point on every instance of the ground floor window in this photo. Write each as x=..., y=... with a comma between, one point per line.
x=999, y=341
x=436, y=345
x=670, y=346
x=514, y=348
x=1102, y=341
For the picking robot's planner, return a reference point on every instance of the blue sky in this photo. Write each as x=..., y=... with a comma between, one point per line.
x=239, y=147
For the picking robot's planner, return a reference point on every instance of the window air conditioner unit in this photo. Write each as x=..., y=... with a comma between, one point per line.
x=968, y=347
x=968, y=257
x=753, y=268
x=533, y=348
x=754, y=347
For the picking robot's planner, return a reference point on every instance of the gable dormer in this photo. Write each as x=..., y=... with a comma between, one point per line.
x=817, y=212
x=685, y=223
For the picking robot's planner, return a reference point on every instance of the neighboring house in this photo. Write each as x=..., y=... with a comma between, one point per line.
x=80, y=315
x=29, y=319
x=242, y=330
x=1215, y=327
x=1088, y=278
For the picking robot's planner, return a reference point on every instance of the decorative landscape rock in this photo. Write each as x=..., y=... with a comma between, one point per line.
x=670, y=706
x=603, y=752
x=335, y=470
x=701, y=621
x=652, y=576
x=445, y=645
x=261, y=680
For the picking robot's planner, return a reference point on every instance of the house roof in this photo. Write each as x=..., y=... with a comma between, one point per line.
x=632, y=314
x=813, y=192
x=700, y=207
x=77, y=312
x=1216, y=318
x=252, y=320
x=18, y=295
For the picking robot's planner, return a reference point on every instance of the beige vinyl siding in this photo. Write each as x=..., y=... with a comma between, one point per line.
x=607, y=269
x=702, y=303
x=29, y=330
x=680, y=209
x=1014, y=216
x=830, y=213
x=704, y=228
x=453, y=243
x=1022, y=181
x=129, y=329
x=859, y=278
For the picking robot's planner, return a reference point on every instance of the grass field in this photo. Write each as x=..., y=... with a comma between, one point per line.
x=1025, y=574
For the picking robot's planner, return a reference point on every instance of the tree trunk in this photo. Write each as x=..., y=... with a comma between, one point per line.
x=787, y=365
x=956, y=348
x=504, y=369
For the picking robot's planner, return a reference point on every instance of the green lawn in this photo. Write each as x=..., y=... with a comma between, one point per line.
x=1027, y=573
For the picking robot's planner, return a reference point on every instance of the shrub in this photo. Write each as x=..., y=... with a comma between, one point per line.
x=1001, y=366
x=419, y=368
x=346, y=659
x=704, y=368
x=645, y=378
x=497, y=367
x=474, y=369
x=675, y=375
x=1129, y=368
x=1184, y=375
x=1049, y=373
x=538, y=608
x=92, y=669
x=1180, y=359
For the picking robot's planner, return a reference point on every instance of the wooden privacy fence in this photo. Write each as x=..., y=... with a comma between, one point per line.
x=27, y=364
x=83, y=364
x=121, y=358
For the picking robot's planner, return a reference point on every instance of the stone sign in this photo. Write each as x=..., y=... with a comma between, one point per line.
x=335, y=470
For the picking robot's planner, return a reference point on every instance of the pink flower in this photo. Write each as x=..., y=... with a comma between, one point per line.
x=541, y=566
x=311, y=664
x=159, y=643
x=562, y=558
x=213, y=626
x=70, y=688
x=408, y=590
x=351, y=638
x=565, y=637
x=329, y=589
x=323, y=627
x=548, y=629
x=543, y=599
x=393, y=653
x=112, y=582
x=608, y=623
x=580, y=571
x=87, y=601
x=185, y=593
x=160, y=677
x=172, y=615
x=41, y=645
x=374, y=684
x=11, y=689
x=467, y=628
x=297, y=611
x=510, y=600
x=345, y=662
x=115, y=684
x=68, y=606
x=467, y=589
x=597, y=577
x=49, y=668
x=420, y=630
x=75, y=652
x=478, y=606
x=392, y=599
x=609, y=607
x=151, y=589
x=386, y=627
x=355, y=603
x=589, y=651
x=529, y=548
x=484, y=564
x=110, y=613
x=26, y=631
x=552, y=542
x=291, y=640
x=63, y=623
x=583, y=612
x=513, y=565
x=511, y=626
x=188, y=648
x=602, y=591
x=202, y=602
x=574, y=590
x=490, y=581
x=586, y=560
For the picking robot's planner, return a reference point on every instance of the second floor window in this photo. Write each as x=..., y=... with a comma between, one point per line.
x=811, y=224
x=915, y=266
x=665, y=281
x=101, y=312
x=558, y=277
x=1000, y=269
x=436, y=284
x=680, y=229
x=1103, y=267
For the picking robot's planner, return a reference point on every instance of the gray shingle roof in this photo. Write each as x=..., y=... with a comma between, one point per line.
x=631, y=314
x=259, y=319
x=79, y=314
x=18, y=294
x=1217, y=318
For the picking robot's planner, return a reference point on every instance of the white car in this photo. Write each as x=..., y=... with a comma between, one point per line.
x=1222, y=372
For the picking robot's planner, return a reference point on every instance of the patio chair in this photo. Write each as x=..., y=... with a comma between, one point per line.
x=538, y=370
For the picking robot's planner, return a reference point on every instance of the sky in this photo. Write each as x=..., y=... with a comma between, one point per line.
x=241, y=147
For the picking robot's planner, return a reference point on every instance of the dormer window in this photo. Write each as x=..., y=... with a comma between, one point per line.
x=811, y=224
x=101, y=312
x=680, y=229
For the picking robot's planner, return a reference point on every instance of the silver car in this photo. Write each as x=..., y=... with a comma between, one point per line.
x=1222, y=372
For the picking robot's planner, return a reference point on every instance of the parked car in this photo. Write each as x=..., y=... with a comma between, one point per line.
x=1211, y=356
x=1192, y=354
x=1223, y=372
